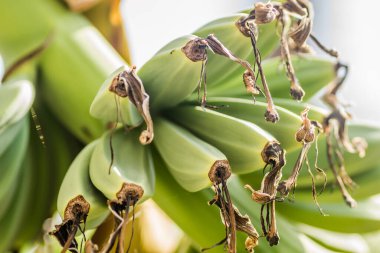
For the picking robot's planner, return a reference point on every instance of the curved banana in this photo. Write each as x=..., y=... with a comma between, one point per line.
x=73, y=67
x=16, y=98
x=10, y=221
x=188, y=158
x=252, y=111
x=170, y=77
x=123, y=171
x=241, y=141
x=361, y=219
x=77, y=182
x=11, y=167
x=130, y=163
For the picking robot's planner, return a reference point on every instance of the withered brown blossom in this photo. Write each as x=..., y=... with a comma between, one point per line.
x=274, y=155
x=337, y=139
x=75, y=214
x=232, y=219
x=306, y=134
x=128, y=84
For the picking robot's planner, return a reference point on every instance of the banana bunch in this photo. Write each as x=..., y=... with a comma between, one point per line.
x=199, y=154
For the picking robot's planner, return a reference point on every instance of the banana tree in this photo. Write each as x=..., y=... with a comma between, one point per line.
x=196, y=124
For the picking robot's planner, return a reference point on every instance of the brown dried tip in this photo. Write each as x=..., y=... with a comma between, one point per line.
x=129, y=190
x=128, y=84
x=264, y=13
x=75, y=213
x=220, y=171
x=196, y=49
x=244, y=23
x=296, y=91
x=271, y=116
x=301, y=32
x=250, y=83
x=272, y=153
x=306, y=133
x=294, y=7
x=251, y=244
x=119, y=85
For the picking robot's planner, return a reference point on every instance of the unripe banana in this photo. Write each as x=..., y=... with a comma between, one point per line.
x=11, y=166
x=314, y=74
x=73, y=67
x=16, y=98
x=8, y=135
x=10, y=222
x=241, y=141
x=253, y=112
x=190, y=212
x=361, y=219
x=109, y=107
x=188, y=158
x=170, y=77
x=221, y=70
x=131, y=164
x=77, y=182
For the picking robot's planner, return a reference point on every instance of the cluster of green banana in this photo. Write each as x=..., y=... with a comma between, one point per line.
x=114, y=172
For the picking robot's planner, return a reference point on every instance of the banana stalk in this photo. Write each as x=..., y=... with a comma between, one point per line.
x=193, y=158
x=241, y=141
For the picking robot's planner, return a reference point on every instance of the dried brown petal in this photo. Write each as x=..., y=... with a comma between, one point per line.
x=128, y=84
x=264, y=13
x=295, y=7
x=301, y=32
x=243, y=24
x=250, y=83
x=196, y=49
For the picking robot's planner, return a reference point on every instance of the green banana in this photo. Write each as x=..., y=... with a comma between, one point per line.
x=241, y=141
x=132, y=163
x=193, y=158
x=221, y=70
x=339, y=242
x=202, y=223
x=16, y=98
x=8, y=135
x=108, y=107
x=77, y=182
x=253, y=112
x=11, y=167
x=312, y=80
x=83, y=60
x=44, y=157
x=170, y=77
x=10, y=222
x=361, y=219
